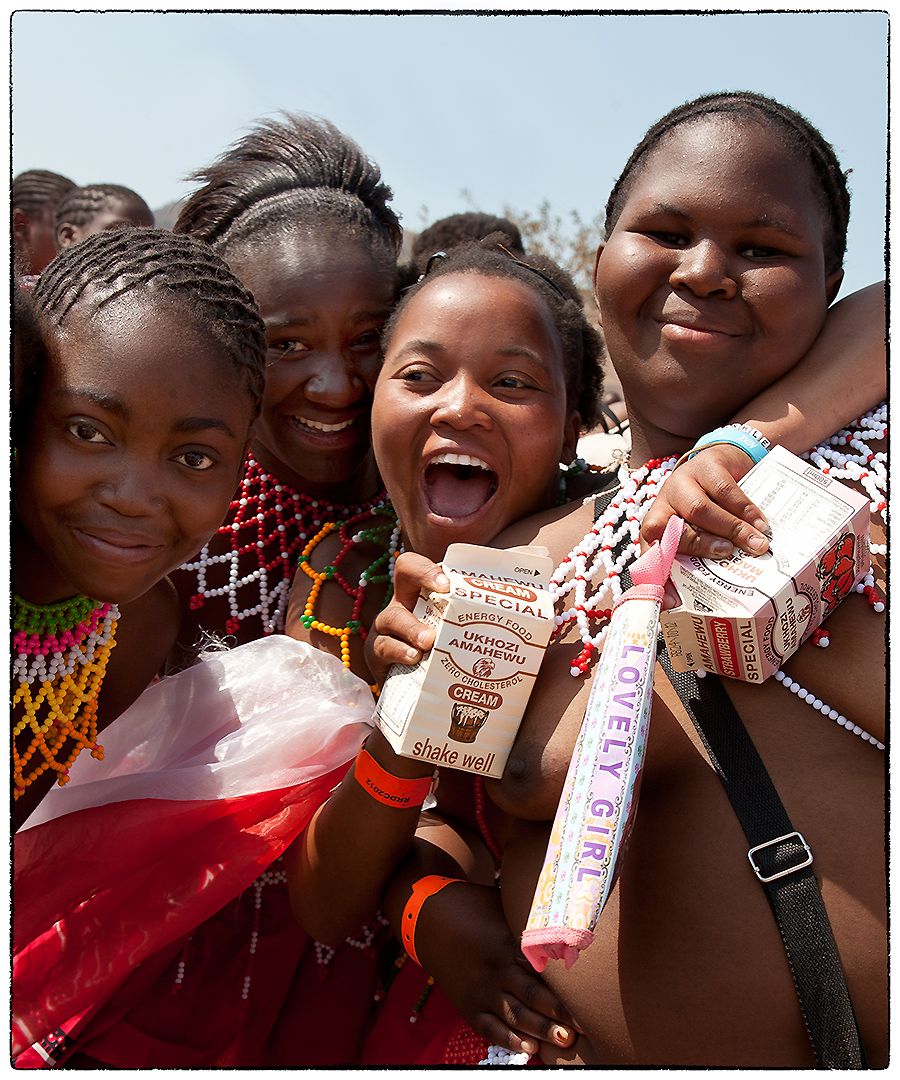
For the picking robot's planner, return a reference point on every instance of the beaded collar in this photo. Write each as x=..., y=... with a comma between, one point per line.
x=267, y=526
x=60, y=652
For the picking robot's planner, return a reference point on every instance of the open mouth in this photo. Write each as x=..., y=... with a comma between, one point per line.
x=458, y=485
x=314, y=425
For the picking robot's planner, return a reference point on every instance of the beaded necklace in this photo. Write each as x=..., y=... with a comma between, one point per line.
x=598, y=559
x=385, y=532
x=60, y=656
x=267, y=525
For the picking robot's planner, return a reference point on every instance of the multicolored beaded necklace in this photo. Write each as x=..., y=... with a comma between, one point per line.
x=383, y=532
x=267, y=525
x=60, y=656
x=587, y=579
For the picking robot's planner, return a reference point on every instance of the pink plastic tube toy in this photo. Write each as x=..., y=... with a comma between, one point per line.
x=599, y=797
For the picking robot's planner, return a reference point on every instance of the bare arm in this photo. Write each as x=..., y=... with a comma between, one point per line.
x=843, y=374
x=338, y=869
x=463, y=940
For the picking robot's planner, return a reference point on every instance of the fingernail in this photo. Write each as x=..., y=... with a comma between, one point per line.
x=422, y=638
x=442, y=581
x=412, y=656
x=757, y=542
x=528, y=1046
x=561, y=1034
x=762, y=525
x=721, y=549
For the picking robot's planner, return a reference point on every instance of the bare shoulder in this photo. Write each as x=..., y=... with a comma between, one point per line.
x=558, y=530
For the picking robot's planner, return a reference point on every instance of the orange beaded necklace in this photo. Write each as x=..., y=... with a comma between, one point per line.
x=383, y=530
x=60, y=656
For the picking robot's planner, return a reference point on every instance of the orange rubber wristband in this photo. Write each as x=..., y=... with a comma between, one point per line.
x=421, y=890
x=395, y=791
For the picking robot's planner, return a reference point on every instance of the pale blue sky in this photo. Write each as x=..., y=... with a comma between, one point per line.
x=514, y=108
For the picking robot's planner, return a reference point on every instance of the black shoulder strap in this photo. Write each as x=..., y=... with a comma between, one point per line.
x=782, y=862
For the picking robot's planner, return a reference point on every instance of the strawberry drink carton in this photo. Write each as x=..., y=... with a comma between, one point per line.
x=744, y=616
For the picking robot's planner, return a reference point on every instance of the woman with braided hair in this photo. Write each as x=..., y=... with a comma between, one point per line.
x=303, y=218
x=140, y=377
x=94, y=208
x=94, y=517
x=34, y=197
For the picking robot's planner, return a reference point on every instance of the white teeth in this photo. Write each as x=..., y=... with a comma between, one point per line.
x=460, y=459
x=316, y=426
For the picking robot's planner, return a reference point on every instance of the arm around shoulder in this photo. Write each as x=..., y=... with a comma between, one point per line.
x=843, y=375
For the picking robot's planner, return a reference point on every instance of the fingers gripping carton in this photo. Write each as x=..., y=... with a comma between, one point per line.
x=461, y=705
x=744, y=616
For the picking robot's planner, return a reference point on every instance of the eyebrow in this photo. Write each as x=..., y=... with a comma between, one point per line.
x=300, y=321
x=106, y=401
x=764, y=221
x=524, y=351
x=113, y=404
x=202, y=423
x=419, y=345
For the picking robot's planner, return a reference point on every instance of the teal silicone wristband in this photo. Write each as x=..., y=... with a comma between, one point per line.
x=741, y=437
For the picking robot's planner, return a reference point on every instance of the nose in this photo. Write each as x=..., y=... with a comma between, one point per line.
x=704, y=269
x=334, y=382
x=461, y=403
x=134, y=489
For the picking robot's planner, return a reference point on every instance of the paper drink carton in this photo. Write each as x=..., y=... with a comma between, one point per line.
x=744, y=616
x=461, y=705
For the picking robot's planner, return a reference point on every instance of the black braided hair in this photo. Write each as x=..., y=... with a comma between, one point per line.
x=447, y=232
x=799, y=136
x=83, y=203
x=107, y=265
x=36, y=189
x=582, y=345
x=296, y=170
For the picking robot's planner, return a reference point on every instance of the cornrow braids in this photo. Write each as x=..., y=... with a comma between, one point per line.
x=798, y=135
x=82, y=204
x=36, y=189
x=298, y=169
x=91, y=274
x=582, y=346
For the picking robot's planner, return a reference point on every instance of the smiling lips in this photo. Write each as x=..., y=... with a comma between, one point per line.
x=457, y=485
x=316, y=425
x=119, y=547
x=692, y=326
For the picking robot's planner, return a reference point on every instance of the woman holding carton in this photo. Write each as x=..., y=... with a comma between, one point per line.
x=780, y=286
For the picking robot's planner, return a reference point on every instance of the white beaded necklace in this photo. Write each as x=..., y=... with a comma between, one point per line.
x=594, y=564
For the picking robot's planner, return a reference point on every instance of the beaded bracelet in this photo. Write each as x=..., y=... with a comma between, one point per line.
x=754, y=444
x=421, y=890
x=399, y=792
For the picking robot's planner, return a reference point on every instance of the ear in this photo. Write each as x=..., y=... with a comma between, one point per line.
x=66, y=235
x=21, y=225
x=832, y=284
x=571, y=432
x=600, y=248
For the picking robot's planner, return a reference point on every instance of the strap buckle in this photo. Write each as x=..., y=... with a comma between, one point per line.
x=790, y=869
